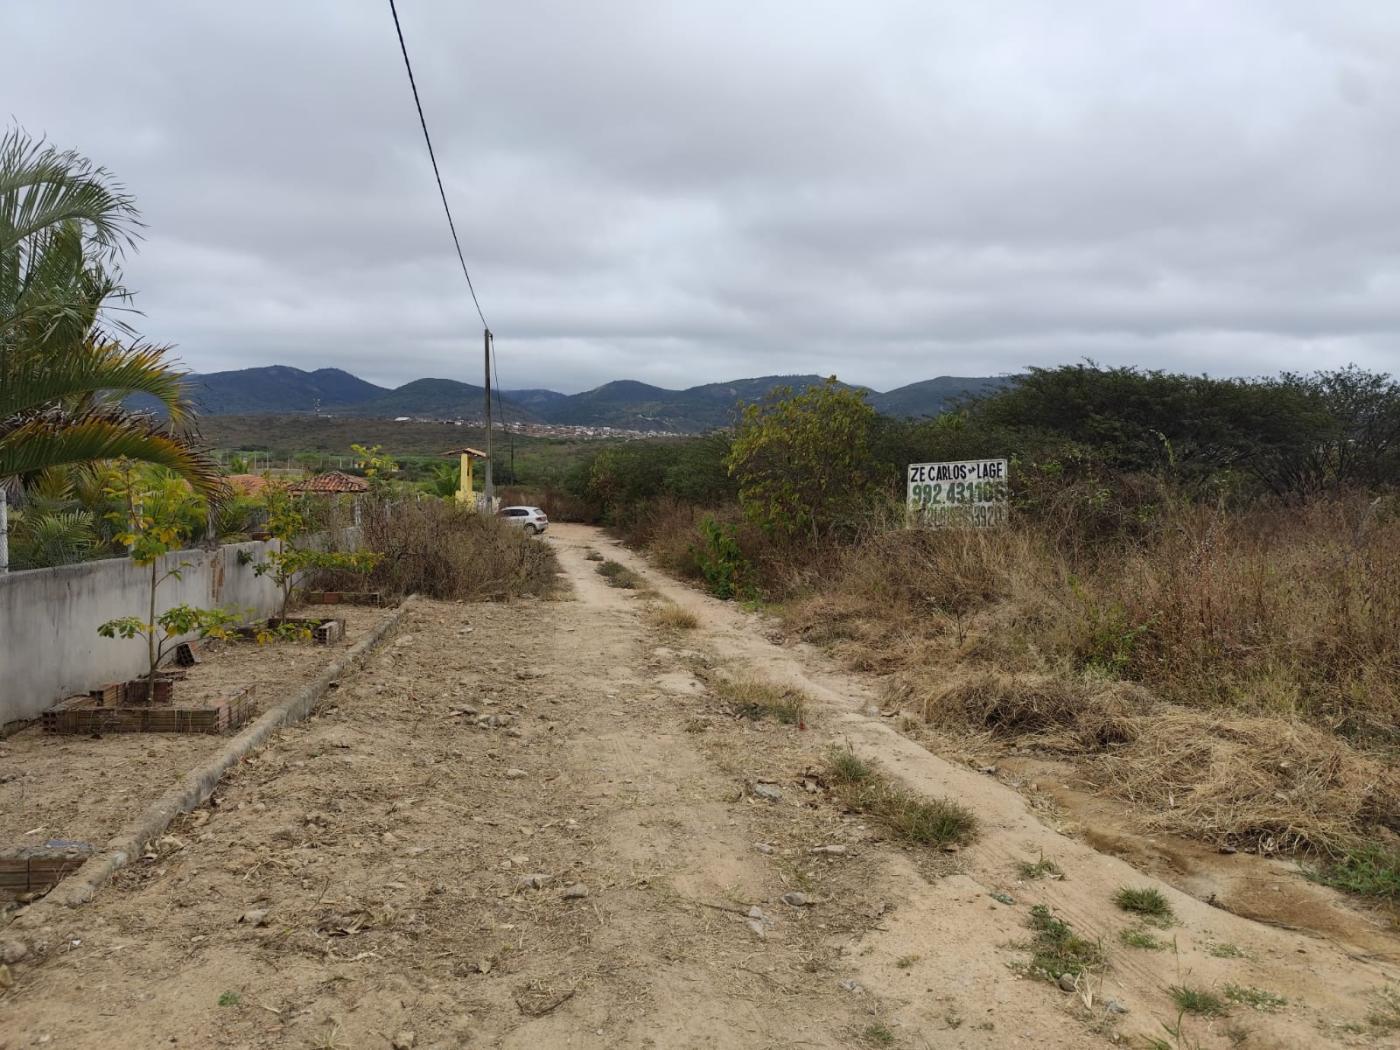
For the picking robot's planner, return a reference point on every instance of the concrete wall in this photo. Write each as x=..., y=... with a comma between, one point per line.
x=49, y=645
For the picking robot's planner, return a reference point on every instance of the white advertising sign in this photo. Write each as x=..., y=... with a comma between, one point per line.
x=971, y=494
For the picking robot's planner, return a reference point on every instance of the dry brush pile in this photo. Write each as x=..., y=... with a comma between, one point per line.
x=442, y=550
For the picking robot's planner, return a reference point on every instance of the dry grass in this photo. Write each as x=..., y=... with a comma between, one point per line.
x=1235, y=675
x=1275, y=610
x=756, y=699
x=1268, y=783
x=441, y=550
x=1385, y=1013
x=671, y=617
x=1061, y=713
x=1231, y=671
x=1259, y=998
x=1250, y=781
x=1292, y=612
x=1044, y=868
x=619, y=575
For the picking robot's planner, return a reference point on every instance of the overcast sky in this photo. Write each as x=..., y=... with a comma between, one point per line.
x=684, y=192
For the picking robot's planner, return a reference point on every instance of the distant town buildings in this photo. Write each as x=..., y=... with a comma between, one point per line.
x=545, y=429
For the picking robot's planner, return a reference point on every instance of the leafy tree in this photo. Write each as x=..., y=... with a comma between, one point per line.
x=64, y=367
x=621, y=477
x=376, y=464
x=155, y=514
x=721, y=560
x=698, y=471
x=1358, y=443
x=1295, y=435
x=236, y=515
x=42, y=538
x=803, y=461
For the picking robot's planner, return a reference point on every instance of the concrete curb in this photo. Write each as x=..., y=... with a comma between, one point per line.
x=198, y=785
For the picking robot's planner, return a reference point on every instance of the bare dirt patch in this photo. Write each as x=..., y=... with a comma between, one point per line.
x=86, y=789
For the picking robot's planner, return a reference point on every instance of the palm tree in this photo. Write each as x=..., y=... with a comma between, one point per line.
x=65, y=364
x=55, y=527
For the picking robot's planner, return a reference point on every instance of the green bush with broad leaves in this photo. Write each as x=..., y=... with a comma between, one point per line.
x=721, y=560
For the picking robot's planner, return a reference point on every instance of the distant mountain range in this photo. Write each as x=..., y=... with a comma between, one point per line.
x=625, y=404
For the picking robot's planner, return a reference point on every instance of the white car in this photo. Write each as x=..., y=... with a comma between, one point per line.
x=531, y=519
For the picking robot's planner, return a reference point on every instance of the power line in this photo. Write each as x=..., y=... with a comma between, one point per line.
x=437, y=174
x=433, y=157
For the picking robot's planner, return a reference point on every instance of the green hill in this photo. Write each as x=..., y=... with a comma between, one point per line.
x=625, y=404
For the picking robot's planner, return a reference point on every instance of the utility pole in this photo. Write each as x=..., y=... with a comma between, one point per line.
x=4, y=529
x=489, y=487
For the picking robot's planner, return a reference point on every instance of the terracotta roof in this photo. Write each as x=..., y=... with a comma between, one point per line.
x=475, y=453
x=332, y=481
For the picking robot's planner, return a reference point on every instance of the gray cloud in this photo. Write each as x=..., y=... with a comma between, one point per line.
x=688, y=192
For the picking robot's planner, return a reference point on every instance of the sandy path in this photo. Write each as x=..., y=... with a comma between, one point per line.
x=386, y=839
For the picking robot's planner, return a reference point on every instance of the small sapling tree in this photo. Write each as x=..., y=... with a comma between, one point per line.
x=287, y=523
x=155, y=511
x=169, y=626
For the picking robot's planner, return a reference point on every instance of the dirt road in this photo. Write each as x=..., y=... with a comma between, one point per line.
x=531, y=825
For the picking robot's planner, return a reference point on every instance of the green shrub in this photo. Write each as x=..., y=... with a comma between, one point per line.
x=1145, y=901
x=721, y=560
x=804, y=462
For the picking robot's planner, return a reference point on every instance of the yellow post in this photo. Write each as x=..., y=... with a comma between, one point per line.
x=464, y=485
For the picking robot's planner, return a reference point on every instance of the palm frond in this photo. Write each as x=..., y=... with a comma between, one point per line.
x=64, y=223
x=42, y=186
x=43, y=539
x=32, y=381
x=58, y=295
x=56, y=439
x=52, y=489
